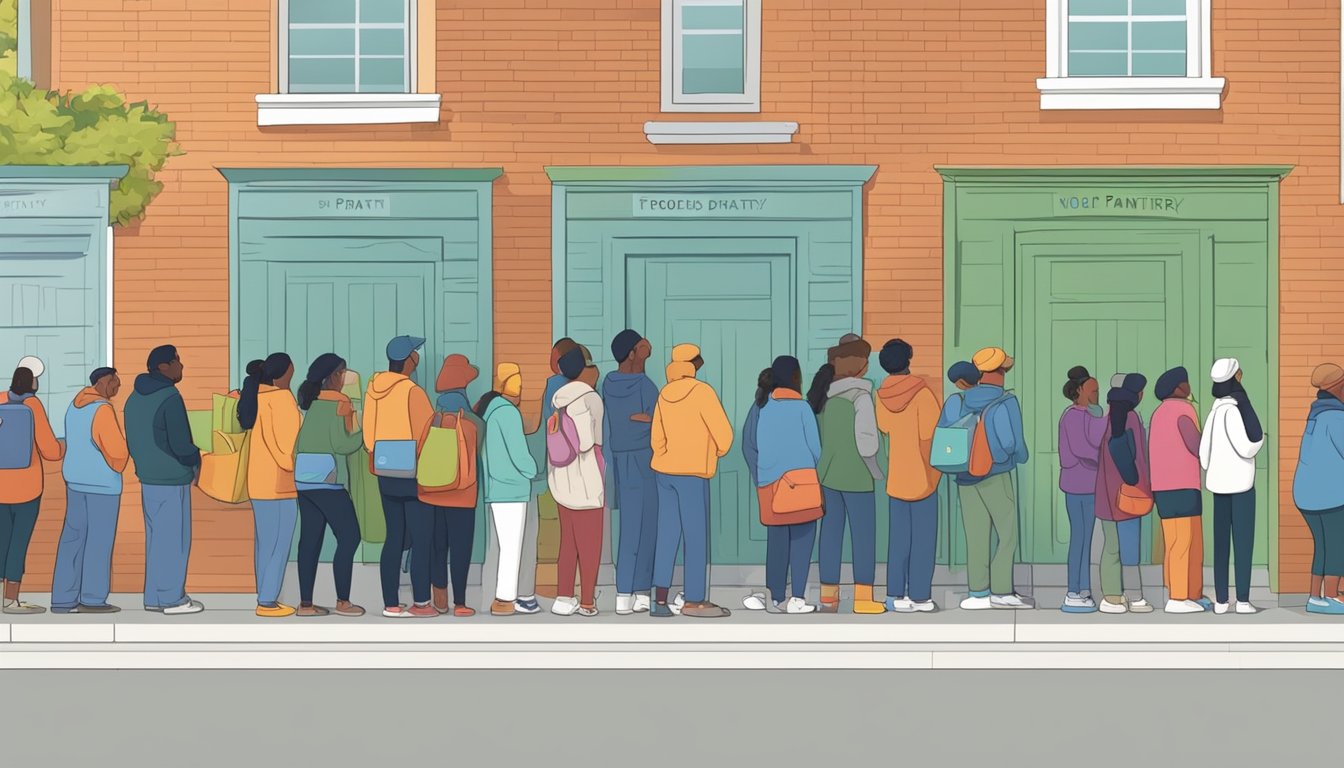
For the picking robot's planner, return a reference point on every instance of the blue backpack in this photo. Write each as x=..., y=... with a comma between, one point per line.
x=952, y=444
x=16, y=433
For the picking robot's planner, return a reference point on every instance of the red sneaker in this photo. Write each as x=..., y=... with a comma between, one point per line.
x=462, y=611
x=422, y=611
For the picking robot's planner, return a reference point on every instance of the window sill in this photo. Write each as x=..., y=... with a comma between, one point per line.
x=1131, y=92
x=346, y=109
x=719, y=133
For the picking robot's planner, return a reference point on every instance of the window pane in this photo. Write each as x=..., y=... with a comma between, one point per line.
x=713, y=64
x=1159, y=65
x=382, y=11
x=1159, y=7
x=381, y=42
x=321, y=11
x=1098, y=7
x=1159, y=36
x=321, y=75
x=1098, y=65
x=382, y=75
x=1098, y=36
x=713, y=17
x=321, y=42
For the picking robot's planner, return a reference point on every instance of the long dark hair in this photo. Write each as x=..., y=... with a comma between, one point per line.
x=484, y=402
x=1122, y=403
x=1232, y=388
x=821, y=386
x=322, y=368
x=259, y=372
x=23, y=383
x=765, y=384
x=787, y=373
x=1078, y=376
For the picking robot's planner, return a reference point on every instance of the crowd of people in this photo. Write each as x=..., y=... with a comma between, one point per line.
x=812, y=454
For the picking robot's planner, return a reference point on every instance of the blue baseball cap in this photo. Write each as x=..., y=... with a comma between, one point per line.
x=401, y=347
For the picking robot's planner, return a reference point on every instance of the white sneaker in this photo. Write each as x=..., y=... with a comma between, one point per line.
x=642, y=603
x=798, y=605
x=976, y=603
x=754, y=602
x=1220, y=608
x=923, y=606
x=1140, y=606
x=677, y=603
x=901, y=605
x=1013, y=602
x=1107, y=606
x=1078, y=604
x=625, y=605
x=1183, y=606
x=1246, y=608
x=191, y=606
x=565, y=606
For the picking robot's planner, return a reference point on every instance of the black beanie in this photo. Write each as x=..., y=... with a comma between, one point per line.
x=1169, y=381
x=624, y=344
x=572, y=363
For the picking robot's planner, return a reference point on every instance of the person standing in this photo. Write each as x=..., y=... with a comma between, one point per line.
x=1174, y=451
x=690, y=433
x=1318, y=492
x=327, y=438
x=167, y=462
x=1228, y=446
x=267, y=408
x=455, y=509
x=576, y=475
x=1123, y=462
x=907, y=412
x=629, y=396
x=843, y=402
x=396, y=413
x=556, y=380
x=989, y=502
x=508, y=468
x=1080, y=433
x=29, y=442
x=95, y=458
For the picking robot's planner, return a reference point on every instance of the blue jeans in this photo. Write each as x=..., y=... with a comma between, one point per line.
x=1082, y=508
x=274, y=521
x=788, y=548
x=683, y=513
x=912, y=544
x=83, y=573
x=167, y=511
x=860, y=508
x=637, y=502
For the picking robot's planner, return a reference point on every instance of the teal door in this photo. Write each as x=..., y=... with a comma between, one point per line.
x=737, y=308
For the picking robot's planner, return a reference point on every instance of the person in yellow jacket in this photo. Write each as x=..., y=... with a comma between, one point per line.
x=397, y=410
x=690, y=433
x=268, y=409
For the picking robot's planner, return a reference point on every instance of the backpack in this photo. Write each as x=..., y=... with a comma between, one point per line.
x=562, y=439
x=962, y=447
x=16, y=433
x=448, y=454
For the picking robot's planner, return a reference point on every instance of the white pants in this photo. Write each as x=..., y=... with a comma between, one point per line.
x=509, y=523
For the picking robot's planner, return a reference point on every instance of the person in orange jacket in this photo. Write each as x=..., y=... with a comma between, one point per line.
x=22, y=416
x=690, y=434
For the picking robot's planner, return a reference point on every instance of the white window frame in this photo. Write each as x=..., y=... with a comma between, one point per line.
x=285, y=108
x=1197, y=90
x=676, y=101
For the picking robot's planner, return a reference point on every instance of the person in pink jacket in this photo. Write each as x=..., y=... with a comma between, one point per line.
x=1173, y=449
x=1121, y=582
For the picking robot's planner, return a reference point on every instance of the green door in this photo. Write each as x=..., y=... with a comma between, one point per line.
x=1112, y=308
x=736, y=307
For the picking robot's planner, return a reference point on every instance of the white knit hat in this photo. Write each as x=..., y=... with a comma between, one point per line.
x=34, y=365
x=1224, y=369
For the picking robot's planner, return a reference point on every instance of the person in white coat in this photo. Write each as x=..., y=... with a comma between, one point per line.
x=1227, y=448
x=576, y=474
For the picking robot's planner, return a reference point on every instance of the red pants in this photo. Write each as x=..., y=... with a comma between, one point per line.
x=581, y=547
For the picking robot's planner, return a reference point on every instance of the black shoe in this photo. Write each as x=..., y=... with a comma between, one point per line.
x=104, y=608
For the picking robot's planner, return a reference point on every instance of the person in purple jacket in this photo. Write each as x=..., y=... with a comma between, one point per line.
x=1080, y=431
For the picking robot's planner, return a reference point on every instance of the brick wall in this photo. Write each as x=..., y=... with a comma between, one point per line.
x=528, y=83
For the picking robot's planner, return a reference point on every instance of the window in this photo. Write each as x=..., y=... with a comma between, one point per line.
x=711, y=58
x=25, y=41
x=1128, y=54
x=351, y=61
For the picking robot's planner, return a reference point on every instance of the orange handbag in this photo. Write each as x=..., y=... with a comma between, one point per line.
x=1133, y=501
x=798, y=490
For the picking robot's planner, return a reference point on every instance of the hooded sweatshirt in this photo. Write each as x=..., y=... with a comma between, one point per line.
x=1320, y=462
x=270, y=462
x=330, y=428
x=786, y=437
x=1225, y=452
x=1003, y=427
x=849, y=440
x=1080, y=433
x=394, y=409
x=625, y=395
x=579, y=484
x=690, y=431
x=158, y=433
x=18, y=486
x=907, y=412
x=95, y=445
x=506, y=464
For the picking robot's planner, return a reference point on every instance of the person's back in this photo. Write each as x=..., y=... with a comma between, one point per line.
x=1174, y=466
x=625, y=395
x=690, y=430
x=786, y=437
x=155, y=418
x=907, y=412
x=1320, y=460
x=95, y=446
x=1001, y=414
x=506, y=465
x=270, y=466
x=841, y=467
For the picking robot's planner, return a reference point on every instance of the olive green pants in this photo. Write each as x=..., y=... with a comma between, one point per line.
x=987, y=507
x=1120, y=559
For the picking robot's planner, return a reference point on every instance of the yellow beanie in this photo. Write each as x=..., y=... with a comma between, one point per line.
x=510, y=379
x=685, y=353
x=991, y=359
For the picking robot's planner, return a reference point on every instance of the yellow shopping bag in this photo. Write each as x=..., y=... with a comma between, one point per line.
x=224, y=470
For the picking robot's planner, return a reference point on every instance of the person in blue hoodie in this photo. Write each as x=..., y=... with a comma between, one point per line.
x=629, y=396
x=167, y=463
x=989, y=503
x=1317, y=492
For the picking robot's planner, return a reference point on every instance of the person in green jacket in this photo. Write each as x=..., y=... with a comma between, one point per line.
x=843, y=402
x=508, y=470
x=329, y=435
